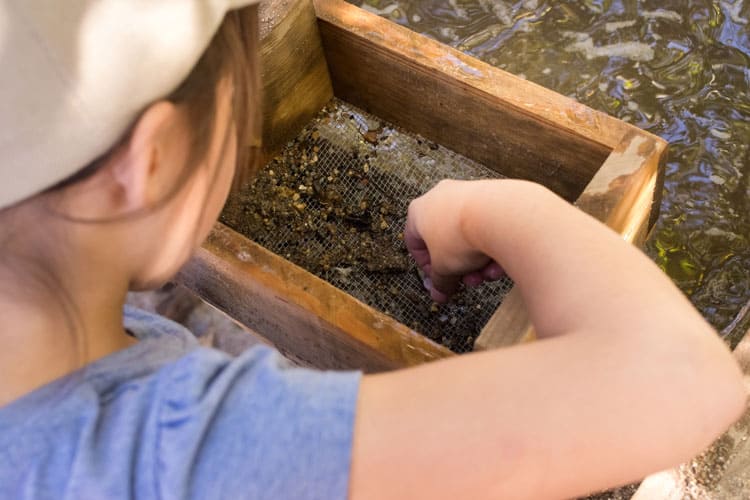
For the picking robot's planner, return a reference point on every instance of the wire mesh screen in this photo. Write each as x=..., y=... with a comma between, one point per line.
x=334, y=202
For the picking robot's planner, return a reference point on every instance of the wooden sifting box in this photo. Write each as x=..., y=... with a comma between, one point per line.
x=313, y=51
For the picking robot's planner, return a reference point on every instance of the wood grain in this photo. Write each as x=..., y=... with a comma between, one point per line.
x=303, y=316
x=506, y=123
x=296, y=84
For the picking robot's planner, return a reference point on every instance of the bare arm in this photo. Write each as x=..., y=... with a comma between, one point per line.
x=628, y=379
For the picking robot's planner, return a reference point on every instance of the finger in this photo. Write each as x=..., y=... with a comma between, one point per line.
x=416, y=245
x=443, y=286
x=493, y=272
x=439, y=297
x=435, y=295
x=473, y=279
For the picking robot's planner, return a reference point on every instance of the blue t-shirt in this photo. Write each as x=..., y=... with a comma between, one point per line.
x=167, y=418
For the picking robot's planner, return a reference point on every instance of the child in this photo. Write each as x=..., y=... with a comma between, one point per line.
x=119, y=138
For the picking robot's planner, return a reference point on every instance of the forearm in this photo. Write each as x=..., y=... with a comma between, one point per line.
x=573, y=272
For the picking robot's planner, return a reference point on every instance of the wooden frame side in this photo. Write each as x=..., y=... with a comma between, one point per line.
x=450, y=98
x=296, y=82
x=625, y=194
x=300, y=314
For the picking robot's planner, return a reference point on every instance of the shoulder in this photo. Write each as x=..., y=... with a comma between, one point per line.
x=256, y=426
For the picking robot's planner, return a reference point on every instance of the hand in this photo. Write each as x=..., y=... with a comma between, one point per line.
x=434, y=237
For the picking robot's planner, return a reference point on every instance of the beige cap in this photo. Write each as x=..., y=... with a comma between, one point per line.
x=75, y=74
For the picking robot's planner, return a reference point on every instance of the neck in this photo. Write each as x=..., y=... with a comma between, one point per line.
x=51, y=333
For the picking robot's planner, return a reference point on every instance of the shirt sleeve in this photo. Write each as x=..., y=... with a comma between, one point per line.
x=254, y=427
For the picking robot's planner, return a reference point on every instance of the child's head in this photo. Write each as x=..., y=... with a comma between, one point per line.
x=140, y=204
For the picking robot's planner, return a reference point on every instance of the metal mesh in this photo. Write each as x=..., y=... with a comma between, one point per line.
x=334, y=202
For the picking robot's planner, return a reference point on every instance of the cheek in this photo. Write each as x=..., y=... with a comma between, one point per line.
x=221, y=186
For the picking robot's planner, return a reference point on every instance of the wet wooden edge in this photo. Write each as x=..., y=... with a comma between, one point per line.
x=296, y=82
x=300, y=314
x=625, y=194
x=516, y=127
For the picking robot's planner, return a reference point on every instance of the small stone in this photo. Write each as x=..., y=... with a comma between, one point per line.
x=315, y=135
x=366, y=168
x=371, y=136
x=383, y=225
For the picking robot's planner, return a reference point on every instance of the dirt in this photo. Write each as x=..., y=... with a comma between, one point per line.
x=336, y=221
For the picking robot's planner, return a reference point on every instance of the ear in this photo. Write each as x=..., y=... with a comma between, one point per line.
x=141, y=170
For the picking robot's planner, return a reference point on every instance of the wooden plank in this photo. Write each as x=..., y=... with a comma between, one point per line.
x=509, y=325
x=625, y=194
x=296, y=83
x=300, y=314
x=506, y=123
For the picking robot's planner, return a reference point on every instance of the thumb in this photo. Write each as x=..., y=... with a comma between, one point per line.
x=442, y=286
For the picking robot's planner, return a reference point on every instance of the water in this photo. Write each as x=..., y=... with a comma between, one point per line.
x=679, y=69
